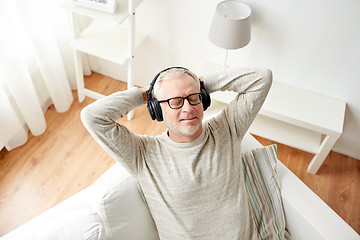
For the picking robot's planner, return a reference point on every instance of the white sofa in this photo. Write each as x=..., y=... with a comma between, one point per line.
x=112, y=208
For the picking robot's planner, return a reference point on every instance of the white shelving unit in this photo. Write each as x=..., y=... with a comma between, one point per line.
x=295, y=117
x=107, y=37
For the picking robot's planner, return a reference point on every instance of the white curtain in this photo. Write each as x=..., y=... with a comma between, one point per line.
x=33, y=75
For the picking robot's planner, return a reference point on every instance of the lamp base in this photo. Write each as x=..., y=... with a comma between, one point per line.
x=226, y=56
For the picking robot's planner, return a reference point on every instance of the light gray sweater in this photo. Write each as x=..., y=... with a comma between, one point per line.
x=193, y=190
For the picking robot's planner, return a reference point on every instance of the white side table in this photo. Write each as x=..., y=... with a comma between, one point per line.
x=295, y=117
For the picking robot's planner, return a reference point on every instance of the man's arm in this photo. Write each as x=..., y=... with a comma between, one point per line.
x=100, y=117
x=252, y=86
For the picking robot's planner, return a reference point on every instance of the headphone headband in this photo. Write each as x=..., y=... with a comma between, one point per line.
x=149, y=91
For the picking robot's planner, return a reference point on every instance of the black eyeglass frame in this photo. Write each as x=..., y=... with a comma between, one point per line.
x=183, y=100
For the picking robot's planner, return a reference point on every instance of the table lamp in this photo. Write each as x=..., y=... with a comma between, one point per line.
x=230, y=28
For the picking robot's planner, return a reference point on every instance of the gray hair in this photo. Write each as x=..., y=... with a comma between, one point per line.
x=169, y=74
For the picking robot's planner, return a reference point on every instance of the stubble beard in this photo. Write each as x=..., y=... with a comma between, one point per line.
x=181, y=130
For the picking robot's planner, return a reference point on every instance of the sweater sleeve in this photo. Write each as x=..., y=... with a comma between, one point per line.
x=252, y=86
x=99, y=118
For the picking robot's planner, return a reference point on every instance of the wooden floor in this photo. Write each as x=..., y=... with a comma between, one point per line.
x=65, y=159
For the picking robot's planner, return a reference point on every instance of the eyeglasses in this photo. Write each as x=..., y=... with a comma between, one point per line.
x=178, y=102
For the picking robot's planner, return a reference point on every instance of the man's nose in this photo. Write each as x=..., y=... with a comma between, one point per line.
x=187, y=106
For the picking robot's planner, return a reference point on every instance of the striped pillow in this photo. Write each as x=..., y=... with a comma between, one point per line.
x=264, y=192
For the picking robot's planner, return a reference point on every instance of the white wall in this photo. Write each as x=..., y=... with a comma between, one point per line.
x=313, y=45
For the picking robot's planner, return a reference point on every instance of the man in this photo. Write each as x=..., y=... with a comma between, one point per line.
x=190, y=176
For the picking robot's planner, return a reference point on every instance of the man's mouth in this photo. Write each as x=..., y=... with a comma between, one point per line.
x=188, y=119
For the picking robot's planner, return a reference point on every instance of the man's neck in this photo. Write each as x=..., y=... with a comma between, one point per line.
x=185, y=138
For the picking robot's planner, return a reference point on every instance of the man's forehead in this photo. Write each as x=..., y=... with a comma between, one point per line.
x=180, y=86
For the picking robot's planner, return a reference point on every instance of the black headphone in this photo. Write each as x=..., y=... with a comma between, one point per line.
x=153, y=105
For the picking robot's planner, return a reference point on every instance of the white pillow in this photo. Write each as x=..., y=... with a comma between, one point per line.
x=124, y=213
x=80, y=224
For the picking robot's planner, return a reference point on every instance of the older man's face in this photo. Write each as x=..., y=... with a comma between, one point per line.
x=184, y=124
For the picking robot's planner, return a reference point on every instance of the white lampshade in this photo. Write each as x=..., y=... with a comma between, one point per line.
x=230, y=28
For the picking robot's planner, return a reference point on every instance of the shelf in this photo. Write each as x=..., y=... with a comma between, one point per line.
x=300, y=107
x=270, y=128
x=286, y=133
x=93, y=94
x=118, y=17
x=105, y=37
x=214, y=108
x=224, y=96
x=290, y=104
x=106, y=40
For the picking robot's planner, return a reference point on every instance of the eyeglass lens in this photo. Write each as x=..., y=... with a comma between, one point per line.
x=178, y=102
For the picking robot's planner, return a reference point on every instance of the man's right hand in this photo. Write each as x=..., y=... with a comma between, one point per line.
x=145, y=98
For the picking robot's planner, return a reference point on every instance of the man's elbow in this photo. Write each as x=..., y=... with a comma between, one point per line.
x=84, y=115
x=268, y=76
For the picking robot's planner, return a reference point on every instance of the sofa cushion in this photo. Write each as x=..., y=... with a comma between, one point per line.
x=259, y=166
x=79, y=224
x=122, y=208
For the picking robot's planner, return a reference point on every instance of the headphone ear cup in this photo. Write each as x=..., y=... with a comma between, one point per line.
x=151, y=110
x=206, y=100
x=154, y=109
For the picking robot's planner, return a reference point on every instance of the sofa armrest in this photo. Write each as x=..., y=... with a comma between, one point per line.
x=49, y=222
x=307, y=216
